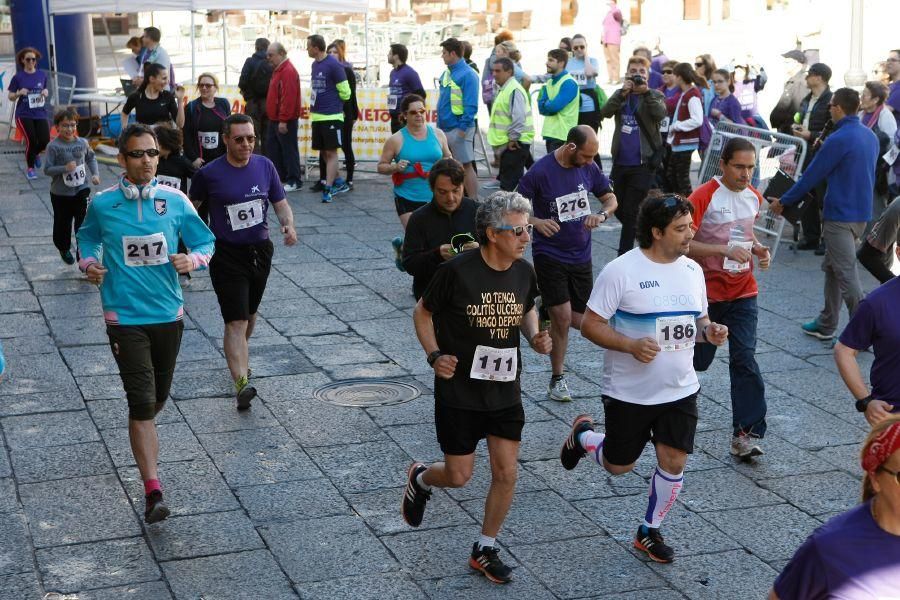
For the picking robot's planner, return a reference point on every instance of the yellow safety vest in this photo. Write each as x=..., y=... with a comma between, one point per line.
x=501, y=115
x=557, y=126
x=456, y=93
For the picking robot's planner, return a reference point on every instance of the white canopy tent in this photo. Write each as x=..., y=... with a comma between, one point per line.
x=61, y=7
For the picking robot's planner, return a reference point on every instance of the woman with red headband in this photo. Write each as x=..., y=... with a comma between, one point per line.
x=407, y=157
x=855, y=555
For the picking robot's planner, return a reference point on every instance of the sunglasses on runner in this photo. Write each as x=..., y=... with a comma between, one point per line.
x=577, y=47
x=29, y=59
x=140, y=153
x=421, y=111
x=667, y=72
x=240, y=139
x=518, y=229
x=206, y=85
x=699, y=64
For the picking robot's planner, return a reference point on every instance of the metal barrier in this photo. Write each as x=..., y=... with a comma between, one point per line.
x=774, y=151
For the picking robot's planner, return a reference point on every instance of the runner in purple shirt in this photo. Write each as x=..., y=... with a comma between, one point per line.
x=238, y=189
x=558, y=187
x=403, y=81
x=28, y=89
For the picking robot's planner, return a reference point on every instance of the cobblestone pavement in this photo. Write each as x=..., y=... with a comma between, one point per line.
x=298, y=498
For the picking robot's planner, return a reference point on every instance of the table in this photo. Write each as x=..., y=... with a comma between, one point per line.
x=108, y=99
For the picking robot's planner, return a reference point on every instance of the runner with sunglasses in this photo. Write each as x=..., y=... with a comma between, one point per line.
x=407, y=157
x=238, y=188
x=28, y=89
x=647, y=310
x=468, y=322
x=558, y=186
x=440, y=229
x=127, y=244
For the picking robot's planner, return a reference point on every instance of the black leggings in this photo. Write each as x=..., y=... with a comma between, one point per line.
x=37, y=136
x=68, y=210
x=347, y=147
x=876, y=262
x=678, y=172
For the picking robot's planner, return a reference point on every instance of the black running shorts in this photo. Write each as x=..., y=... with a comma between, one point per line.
x=459, y=430
x=326, y=135
x=146, y=357
x=630, y=426
x=239, y=275
x=405, y=206
x=562, y=282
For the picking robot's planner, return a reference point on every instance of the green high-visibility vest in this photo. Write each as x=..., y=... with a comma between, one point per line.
x=557, y=126
x=501, y=115
x=456, y=94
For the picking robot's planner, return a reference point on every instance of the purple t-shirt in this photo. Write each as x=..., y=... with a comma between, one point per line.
x=848, y=558
x=325, y=75
x=730, y=108
x=404, y=81
x=629, y=154
x=875, y=324
x=33, y=105
x=238, y=198
x=893, y=99
x=554, y=191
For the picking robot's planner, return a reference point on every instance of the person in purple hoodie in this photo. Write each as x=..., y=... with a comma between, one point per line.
x=28, y=89
x=724, y=106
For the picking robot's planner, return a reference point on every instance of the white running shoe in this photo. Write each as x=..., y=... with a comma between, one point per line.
x=559, y=390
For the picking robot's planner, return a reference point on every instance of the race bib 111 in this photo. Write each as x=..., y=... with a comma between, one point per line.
x=494, y=364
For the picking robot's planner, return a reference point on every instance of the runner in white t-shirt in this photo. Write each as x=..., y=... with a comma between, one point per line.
x=648, y=309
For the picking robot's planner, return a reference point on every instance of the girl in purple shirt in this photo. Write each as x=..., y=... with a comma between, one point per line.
x=28, y=89
x=724, y=106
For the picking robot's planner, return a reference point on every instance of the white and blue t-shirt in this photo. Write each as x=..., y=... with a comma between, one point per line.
x=641, y=298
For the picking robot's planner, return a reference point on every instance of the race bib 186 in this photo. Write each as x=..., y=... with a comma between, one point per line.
x=494, y=364
x=675, y=333
x=573, y=206
x=209, y=140
x=145, y=250
x=245, y=214
x=74, y=178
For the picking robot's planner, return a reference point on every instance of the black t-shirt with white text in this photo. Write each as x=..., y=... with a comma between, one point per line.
x=477, y=312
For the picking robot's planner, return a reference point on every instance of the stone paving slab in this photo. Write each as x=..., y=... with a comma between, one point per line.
x=68, y=569
x=250, y=575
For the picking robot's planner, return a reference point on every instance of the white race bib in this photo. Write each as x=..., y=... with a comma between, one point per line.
x=890, y=157
x=579, y=77
x=733, y=265
x=664, y=125
x=168, y=180
x=36, y=100
x=392, y=102
x=75, y=178
x=572, y=206
x=675, y=333
x=245, y=214
x=209, y=140
x=494, y=364
x=626, y=129
x=145, y=250
x=312, y=96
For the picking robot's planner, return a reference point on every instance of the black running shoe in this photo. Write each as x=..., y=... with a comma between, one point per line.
x=412, y=509
x=654, y=545
x=318, y=187
x=490, y=565
x=572, y=451
x=245, y=396
x=155, y=510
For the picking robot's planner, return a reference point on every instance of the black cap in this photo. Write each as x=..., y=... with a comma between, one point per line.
x=796, y=55
x=820, y=69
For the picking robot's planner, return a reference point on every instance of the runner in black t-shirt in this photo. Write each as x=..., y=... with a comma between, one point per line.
x=153, y=103
x=468, y=323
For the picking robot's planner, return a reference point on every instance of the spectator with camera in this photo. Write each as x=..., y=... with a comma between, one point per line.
x=637, y=146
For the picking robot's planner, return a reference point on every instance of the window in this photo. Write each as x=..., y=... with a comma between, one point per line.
x=691, y=10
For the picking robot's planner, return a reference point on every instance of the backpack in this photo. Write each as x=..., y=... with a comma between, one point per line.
x=259, y=79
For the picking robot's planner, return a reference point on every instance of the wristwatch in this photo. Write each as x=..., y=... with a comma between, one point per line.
x=433, y=357
x=605, y=215
x=861, y=405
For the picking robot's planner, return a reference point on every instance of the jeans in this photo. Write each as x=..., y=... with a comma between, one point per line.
x=632, y=184
x=283, y=151
x=748, y=393
x=842, y=283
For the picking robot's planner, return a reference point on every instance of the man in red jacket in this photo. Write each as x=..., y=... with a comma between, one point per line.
x=283, y=108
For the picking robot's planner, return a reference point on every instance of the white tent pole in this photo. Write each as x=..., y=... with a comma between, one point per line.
x=366, y=72
x=193, y=50
x=225, y=46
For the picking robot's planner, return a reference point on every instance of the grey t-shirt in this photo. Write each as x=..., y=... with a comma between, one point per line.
x=59, y=154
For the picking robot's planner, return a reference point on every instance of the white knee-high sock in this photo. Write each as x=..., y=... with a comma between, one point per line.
x=592, y=442
x=664, y=490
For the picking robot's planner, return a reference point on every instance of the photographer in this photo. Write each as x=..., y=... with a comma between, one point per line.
x=636, y=145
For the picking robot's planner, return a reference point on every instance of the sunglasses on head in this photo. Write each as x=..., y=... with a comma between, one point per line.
x=140, y=153
x=240, y=139
x=518, y=230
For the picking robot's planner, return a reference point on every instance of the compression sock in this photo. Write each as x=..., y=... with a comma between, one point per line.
x=486, y=542
x=150, y=485
x=592, y=442
x=664, y=490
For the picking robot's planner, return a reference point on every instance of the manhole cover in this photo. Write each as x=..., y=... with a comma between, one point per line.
x=366, y=392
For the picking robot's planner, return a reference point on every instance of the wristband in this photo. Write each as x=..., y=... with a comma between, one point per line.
x=433, y=357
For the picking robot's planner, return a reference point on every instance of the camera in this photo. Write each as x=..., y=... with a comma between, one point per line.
x=637, y=80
